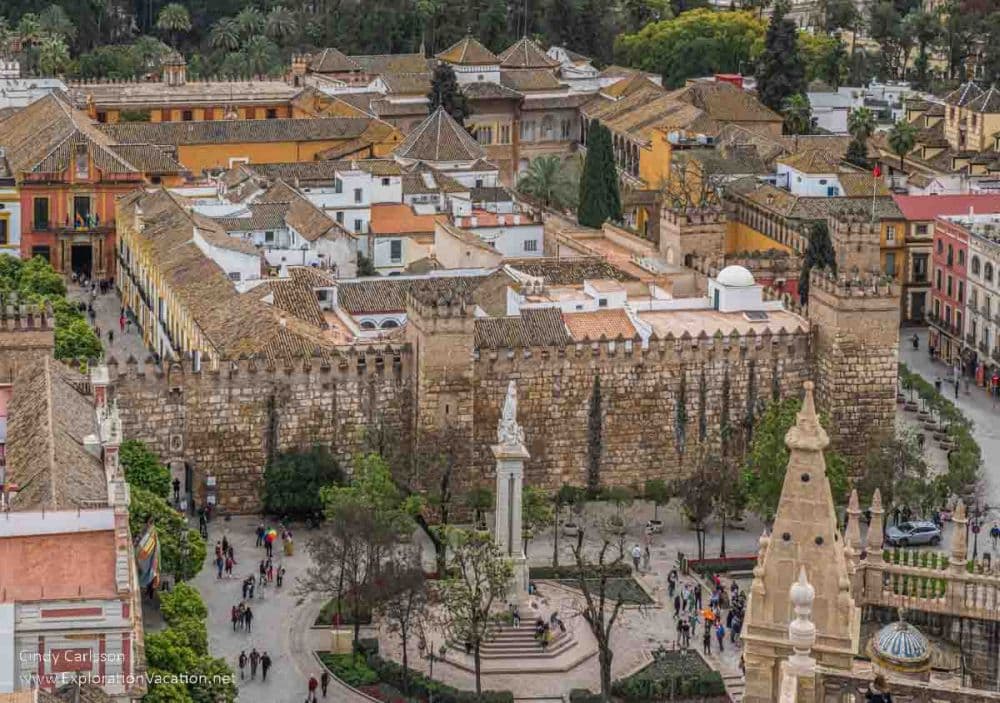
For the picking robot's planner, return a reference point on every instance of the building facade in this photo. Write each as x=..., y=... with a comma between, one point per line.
x=950, y=290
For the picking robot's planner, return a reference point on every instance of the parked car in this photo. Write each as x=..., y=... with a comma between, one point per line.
x=907, y=534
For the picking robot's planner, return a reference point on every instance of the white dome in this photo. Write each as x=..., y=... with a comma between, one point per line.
x=735, y=276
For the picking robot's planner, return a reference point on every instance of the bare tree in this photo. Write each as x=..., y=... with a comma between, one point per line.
x=692, y=184
x=404, y=605
x=435, y=460
x=592, y=574
x=483, y=576
x=698, y=494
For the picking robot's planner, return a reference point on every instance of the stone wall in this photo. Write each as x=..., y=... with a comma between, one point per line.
x=26, y=334
x=693, y=233
x=226, y=423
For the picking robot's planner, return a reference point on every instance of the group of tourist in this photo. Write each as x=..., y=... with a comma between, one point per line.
x=254, y=659
x=689, y=610
x=225, y=558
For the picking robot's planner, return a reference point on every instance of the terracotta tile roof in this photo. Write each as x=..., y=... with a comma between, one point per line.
x=388, y=294
x=354, y=147
x=802, y=208
x=237, y=131
x=407, y=83
x=813, y=161
x=260, y=216
x=919, y=208
x=569, y=271
x=283, y=206
x=311, y=222
x=861, y=183
x=387, y=108
x=639, y=114
x=233, y=324
x=609, y=324
x=43, y=138
x=332, y=61
x=963, y=94
x=319, y=104
x=988, y=102
x=468, y=52
x=148, y=158
x=296, y=297
x=137, y=95
x=376, y=64
x=43, y=576
x=47, y=421
x=571, y=101
x=440, y=138
x=534, y=327
x=319, y=171
x=525, y=53
x=530, y=79
x=485, y=90
x=726, y=103
x=399, y=218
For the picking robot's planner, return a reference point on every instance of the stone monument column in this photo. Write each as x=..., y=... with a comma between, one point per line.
x=510, y=454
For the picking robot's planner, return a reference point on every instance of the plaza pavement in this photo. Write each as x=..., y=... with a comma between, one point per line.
x=108, y=308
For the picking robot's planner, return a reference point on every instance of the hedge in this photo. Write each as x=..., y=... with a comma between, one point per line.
x=561, y=573
x=672, y=676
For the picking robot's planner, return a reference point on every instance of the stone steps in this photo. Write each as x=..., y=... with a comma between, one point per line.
x=735, y=685
x=515, y=651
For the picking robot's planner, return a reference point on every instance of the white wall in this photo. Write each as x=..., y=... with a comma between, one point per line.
x=12, y=208
x=509, y=240
x=808, y=184
x=230, y=261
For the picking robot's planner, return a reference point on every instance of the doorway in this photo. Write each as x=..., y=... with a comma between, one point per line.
x=918, y=301
x=82, y=259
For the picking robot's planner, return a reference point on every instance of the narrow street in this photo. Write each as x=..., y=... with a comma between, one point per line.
x=108, y=308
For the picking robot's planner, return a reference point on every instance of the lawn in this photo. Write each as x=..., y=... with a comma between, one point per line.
x=625, y=589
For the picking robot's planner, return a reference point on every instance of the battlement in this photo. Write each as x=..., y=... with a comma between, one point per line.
x=694, y=216
x=842, y=286
x=26, y=317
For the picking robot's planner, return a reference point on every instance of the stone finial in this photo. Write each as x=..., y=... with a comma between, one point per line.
x=807, y=434
x=852, y=533
x=875, y=527
x=802, y=630
x=959, y=540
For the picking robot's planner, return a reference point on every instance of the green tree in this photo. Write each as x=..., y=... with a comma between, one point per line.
x=54, y=22
x=261, y=55
x=37, y=279
x=162, y=689
x=149, y=52
x=925, y=28
x=566, y=497
x=481, y=578
x=659, y=492
x=767, y=460
x=536, y=512
x=280, y=24
x=182, y=550
x=143, y=468
x=547, y=180
x=599, y=195
x=76, y=340
x=29, y=29
x=293, y=480
x=53, y=56
x=696, y=43
x=225, y=34
x=780, y=70
x=479, y=500
x=798, y=114
x=895, y=465
x=861, y=125
x=251, y=22
x=366, y=267
x=182, y=602
x=445, y=93
x=174, y=19
x=825, y=58
x=902, y=139
x=819, y=253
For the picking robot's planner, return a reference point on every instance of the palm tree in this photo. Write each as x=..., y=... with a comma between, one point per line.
x=861, y=123
x=546, y=180
x=280, y=23
x=53, y=55
x=54, y=22
x=902, y=138
x=261, y=55
x=225, y=34
x=173, y=19
x=28, y=29
x=798, y=114
x=250, y=21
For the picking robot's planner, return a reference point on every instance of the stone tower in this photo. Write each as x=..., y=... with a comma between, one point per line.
x=692, y=233
x=855, y=316
x=804, y=536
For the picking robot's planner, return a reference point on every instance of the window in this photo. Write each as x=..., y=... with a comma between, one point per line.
x=988, y=272
x=484, y=135
x=209, y=113
x=234, y=275
x=81, y=211
x=271, y=113
x=951, y=254
x=937, y=279
x=919, y=268
x=973, y=120
x=82, y=165
x=949, y=286
x=385, y=181
x=164, y=115
x=961, y=291
x=338, y=185
x=602, y=302
x=359, y=226
x=102, y=117
x=358, y=195
x=528, y=131
x=340, y=218
x=367, y=325
x=269, y=237
x=922, y=229
x=822, y=181
x=961, y=257
x=890, y=264
x=973, y=297
x=890, y=233
x=564, y=129
x=531, y=245
x=937, y=308
x=3, y=232
x=975, y=265
x=187, y=115
x=396, y=250
x=940, y=246
x=505, y=134
x=42, y=251
x=947, y=314
x=41, y=213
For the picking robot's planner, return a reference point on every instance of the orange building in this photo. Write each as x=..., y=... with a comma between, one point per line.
x=68, y=174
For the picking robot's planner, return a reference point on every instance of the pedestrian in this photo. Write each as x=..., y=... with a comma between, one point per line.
x=324, y=681
x=232, y=553
x=720, y=635
x=313, y=685
x=241, y=612
x=235, y=616
x=250, y=587
x=706, y=640
x=672, y=581
x=735, y=628
x=262, y=570
x=244, y=589
x=177, y=481
x=685, y=630
x=254, y=660
x=878, y=691
x=281, y=575
x=265, y=664
x=121, y=323
x=995, y=534
x=636, y=556
x=242, y=664
x=218, y=549
x=516, y=616
x=677, y=606
x=697, y=596
x=225, y=545
x=956, y=389
x=248, y=619
x=270, y=573
x=219, y=565
x=202, y=524
x=260, y=533
x=645, y=558
x=229, y=568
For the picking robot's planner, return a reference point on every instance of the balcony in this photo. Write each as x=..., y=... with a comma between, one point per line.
x=96, y=229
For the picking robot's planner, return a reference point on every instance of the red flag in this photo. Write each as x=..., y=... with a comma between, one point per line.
x=876, y=171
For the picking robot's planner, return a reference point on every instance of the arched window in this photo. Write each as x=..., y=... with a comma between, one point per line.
x=389, y=324
x=988, y=272
x=548, y=128
x=940, y=247
x=975, y=265
x=368, y=325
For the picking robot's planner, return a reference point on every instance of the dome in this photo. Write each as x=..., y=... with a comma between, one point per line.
x=735, y=276
x=902, y=645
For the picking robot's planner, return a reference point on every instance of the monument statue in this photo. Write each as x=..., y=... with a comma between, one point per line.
x=510, y=454
x=509, y=433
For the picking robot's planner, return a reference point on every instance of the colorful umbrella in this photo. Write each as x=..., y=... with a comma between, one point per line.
x=271, y=536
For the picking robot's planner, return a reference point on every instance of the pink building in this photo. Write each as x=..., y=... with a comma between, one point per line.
x=949, y=283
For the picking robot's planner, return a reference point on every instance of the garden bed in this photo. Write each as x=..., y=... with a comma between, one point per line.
x=329, y=611
x=672, y=676
x=558, y=573
x=626, y=590
x=707, y=567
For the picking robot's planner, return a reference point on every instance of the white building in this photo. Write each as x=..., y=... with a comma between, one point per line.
x=20, y=92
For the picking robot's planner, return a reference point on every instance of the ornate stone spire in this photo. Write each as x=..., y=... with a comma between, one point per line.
x=852, y=534
x=802, y=630
x=805, y=537
x=875, y=528
x=959, y=540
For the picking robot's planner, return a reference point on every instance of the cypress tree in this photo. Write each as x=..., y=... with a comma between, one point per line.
x=446, y=93
x=780, y=71
x=819, y=253
x=599, y=196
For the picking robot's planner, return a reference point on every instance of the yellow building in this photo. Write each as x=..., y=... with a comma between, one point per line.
x=220, y=144
x=972, y=117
